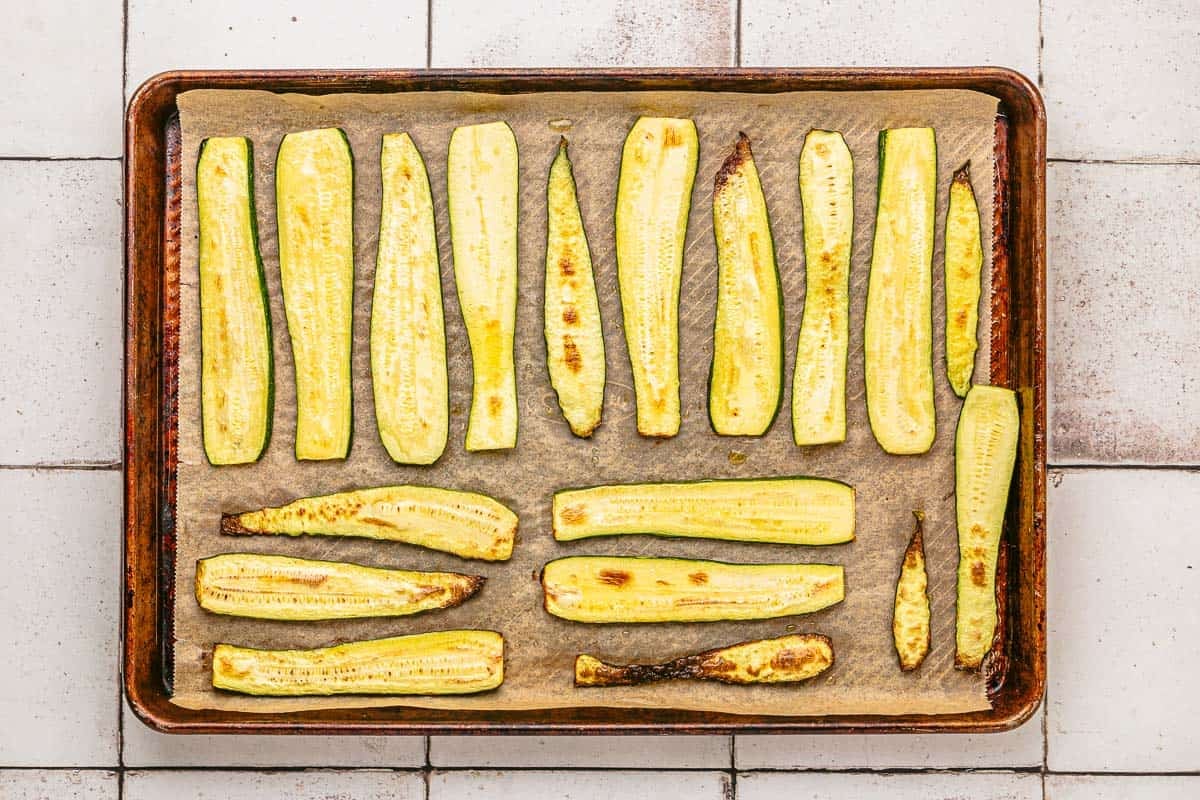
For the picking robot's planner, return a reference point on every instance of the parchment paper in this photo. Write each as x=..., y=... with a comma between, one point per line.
x=541, y=648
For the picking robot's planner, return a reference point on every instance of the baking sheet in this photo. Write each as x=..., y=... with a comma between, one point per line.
x=540, y=648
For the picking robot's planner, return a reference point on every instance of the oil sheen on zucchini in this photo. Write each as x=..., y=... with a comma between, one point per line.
x=443, y=662
x=634, y=589
x=746, y=381
x=985, y=450
x=910, y=614
x=463, y=523
x=237, y=380
x=782, y=510
x=408, y=335
x=819, y=381
x=482, y=184
x=898, y=335
x=314, y=195
x=964, y=263
x=574, y=339
x=279, y=587
x=654, y=195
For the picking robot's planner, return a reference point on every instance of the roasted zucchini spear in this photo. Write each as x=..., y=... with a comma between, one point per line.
x=964, y=263
x=985, y=450
x=630, y=589
x=574, y=338
x=785, y=659
x=279, y=587
x=782, y=510
x=444, y=662
x=464, y=523
x=910, y=618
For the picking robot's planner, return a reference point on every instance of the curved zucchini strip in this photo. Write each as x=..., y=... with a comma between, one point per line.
x=785, y=659
x=964, y=263
x=985, y=450
x=898, y=336
x=482, y=190
x=631, y=589
x=574, y=339
x=746, y=381
x=314, y=196
x=910, y=618
x=408, y=335
x=819, y=382
x=278, y=587
x=443, y=662
x=654, y=195
x=781, y=510
x=237, y=372
x=463, y=523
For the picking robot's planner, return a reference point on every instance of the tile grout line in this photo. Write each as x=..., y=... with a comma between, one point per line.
x=737, y=33
x=1133, y=162
x=59, y=158
x=84, y=466
x=120, y=674
x=429, y=34
x=1041, y=76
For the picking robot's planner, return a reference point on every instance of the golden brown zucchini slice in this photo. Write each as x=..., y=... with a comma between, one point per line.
x=964, y=264
x=910, y=616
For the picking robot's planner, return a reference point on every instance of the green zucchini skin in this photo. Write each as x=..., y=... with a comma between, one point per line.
x=964, y=266
x=221, y=446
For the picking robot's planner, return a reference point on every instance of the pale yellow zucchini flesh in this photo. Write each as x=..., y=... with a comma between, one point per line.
x=314, y=195
x=819, y=380
x=964, y=265
x=654, y=195
x=482, y=190
x=408, y=335
x=910, y=614
x=443, y=662
x=809, y=511
x=632, y=589
x=574, y=338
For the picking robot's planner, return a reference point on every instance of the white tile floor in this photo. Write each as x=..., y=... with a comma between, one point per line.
x=1124, y=562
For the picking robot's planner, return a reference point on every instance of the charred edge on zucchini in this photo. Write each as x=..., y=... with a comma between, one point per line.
x=910, y=619
x=964, y=265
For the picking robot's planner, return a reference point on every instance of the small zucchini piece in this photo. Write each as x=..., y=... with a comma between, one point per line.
x=314, y=196
x=898, y=334
x=279, y=587
x=443, y=662
x=781, y=510
x=574, y=338
x=654, y=195
x=964, y=264
x=819, y=380
x=482, y=190
x=746, y=381
x=237, y=372
x=784, y=659
x=408, y=334
x=635, y=589
x=910, y=618
x=985, y=450
x=463, y=523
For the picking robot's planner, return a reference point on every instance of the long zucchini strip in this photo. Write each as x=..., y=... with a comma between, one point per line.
x=782, y=510
x=279, y=587
x=785, y=659
x=654, y=195
x=910, y=615
x=463, y=523
x=746, y=381
x=964, y=265
x=630, y=589
x=444, y=662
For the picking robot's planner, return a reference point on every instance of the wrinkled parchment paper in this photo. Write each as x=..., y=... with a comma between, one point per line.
x=541, y=648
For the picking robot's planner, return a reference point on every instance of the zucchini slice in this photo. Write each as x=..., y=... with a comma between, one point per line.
x=819, y=381
x=985, y=450
x=574, y=339
x=237, y=372
x=654, y=195
x=910, y=617
x=443, y=662
x=964, y=264
x=463, y=523
x=482, y=184
x=898, y=335
x=746, y=381
x=781, y=510
x=408, y=335
x=784, y=659
x=314, y=196
x=635, y=589
x=279, y=587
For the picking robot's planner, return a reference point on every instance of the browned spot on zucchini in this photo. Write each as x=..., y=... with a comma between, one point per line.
x=571, y=354
x=570, y=315
x=733, y=164
x=566, y=266
x=614, y=577
x=698, y=578
x=231, y=525
x=573, y=514
x=671, y=137
x=495, y=405
x=978, y=573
